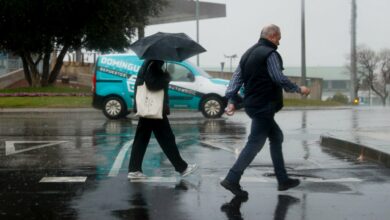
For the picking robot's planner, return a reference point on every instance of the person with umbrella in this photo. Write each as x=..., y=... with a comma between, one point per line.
x=155, y=49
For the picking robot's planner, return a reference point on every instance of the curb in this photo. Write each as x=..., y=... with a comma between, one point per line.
x=361, y=151
x=293, y=108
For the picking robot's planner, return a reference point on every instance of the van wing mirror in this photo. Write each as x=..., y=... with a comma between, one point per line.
x=191, y=77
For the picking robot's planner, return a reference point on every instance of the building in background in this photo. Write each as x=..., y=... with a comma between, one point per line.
x=3, y=63
x=334, y=79
x=9, y=63
x=327, y=80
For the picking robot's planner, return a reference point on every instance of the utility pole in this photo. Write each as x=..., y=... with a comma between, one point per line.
x=197, y=28
x=353, y=51
x=141, y=31
x=303, y=45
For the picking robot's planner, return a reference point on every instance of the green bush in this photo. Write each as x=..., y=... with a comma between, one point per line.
x=339, y=97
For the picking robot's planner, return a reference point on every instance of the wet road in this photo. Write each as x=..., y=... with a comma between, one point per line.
x=74, y=166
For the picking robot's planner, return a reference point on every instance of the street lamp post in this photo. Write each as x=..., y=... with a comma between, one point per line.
x=388, y=89
x=303, y=45
x=353, y=52
x=222, y=66
x=231, y=57
x=197, y=28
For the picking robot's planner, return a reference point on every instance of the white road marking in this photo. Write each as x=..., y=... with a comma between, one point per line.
x=119, y=159
x=10, y=146
x=315, y=163
x=234, y=151
x=64, y=179
x=256, y=180
x=341, y=180
x=306, y=179
x=155, y=179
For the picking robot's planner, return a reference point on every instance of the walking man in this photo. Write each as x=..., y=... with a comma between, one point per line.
x=260, y=71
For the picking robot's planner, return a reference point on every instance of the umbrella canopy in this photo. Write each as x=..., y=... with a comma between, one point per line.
x=166, y=46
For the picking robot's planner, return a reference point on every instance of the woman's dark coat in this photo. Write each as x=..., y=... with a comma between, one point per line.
x=155, y=79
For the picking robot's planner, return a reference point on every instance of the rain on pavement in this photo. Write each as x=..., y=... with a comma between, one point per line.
x=73, y=165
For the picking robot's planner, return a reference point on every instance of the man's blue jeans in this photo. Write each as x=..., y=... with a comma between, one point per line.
x=261, y=129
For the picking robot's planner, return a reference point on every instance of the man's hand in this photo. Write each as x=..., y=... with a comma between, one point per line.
x=230, y=109
x=304, y=90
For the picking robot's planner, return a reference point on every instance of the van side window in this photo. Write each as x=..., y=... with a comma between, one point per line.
x=179, y=73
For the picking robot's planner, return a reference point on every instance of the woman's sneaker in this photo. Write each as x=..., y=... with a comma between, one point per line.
x=190, y=169
x=136, y=175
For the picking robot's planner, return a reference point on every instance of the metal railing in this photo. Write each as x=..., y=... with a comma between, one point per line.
x=8, y=65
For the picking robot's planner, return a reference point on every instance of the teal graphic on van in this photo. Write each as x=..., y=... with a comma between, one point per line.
x=191, y=87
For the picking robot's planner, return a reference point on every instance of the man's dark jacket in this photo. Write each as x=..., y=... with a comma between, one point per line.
x=262, y=95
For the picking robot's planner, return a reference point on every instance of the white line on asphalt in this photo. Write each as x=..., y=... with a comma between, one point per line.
x=11, y=149
x=341, y=180
x=234, y=151
x=64, y=179
x=155, y=179
x=306, y=179
x=315, y=162
x=256, y=180
x=119, y=159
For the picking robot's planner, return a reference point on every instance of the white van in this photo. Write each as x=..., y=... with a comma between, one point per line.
x=190, y=88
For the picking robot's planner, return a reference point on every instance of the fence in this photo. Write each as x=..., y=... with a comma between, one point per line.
x=9, y=64
x=315, y=84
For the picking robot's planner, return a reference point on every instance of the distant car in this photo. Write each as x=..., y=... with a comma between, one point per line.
x=191, y=87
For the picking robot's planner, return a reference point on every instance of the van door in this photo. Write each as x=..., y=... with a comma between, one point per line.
x=182, y=92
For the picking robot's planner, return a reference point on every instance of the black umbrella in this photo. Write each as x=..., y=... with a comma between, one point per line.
x=166, y=46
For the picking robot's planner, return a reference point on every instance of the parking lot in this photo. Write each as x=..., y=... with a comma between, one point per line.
x=73, y=165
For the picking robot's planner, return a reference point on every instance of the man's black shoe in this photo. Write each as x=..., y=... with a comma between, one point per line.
x=286, y=200
x=232, y=208
x=234, y=188
x=289, y=183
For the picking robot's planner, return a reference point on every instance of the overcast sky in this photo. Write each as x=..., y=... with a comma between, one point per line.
x=327, y=29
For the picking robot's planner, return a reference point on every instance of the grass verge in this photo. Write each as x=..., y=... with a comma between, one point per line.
x=309, y=102
x=49, y=89
x=86, y=101
x=46, y=102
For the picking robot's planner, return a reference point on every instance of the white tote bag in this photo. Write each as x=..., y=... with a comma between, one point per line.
x=149, y=103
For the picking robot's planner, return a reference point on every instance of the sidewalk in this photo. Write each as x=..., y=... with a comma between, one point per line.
x=368, y=138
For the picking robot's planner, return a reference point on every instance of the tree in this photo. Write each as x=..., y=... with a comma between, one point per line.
x=358, y=81
x=383, y=76
x=374, y=70
x=367, y=61
x=33, y=29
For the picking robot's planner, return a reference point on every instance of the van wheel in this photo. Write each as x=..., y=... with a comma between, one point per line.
x=114, y=108
x=212, y=107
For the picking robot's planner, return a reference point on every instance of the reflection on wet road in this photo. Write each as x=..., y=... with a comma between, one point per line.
x=74, y=166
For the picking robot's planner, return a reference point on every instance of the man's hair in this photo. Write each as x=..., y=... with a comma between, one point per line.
x=269, y=31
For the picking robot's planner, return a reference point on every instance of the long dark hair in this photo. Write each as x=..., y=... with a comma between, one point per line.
x=152, y=66
x=154, y=75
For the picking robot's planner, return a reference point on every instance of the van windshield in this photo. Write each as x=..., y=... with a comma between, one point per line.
x=201, y=71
